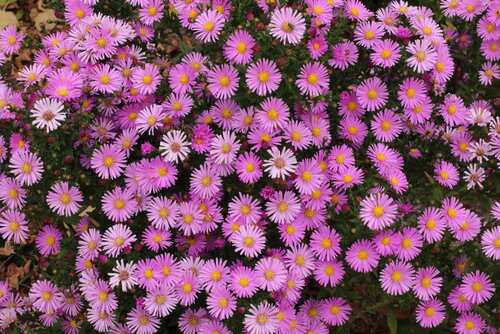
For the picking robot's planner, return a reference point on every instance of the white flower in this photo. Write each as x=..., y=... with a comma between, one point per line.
x=123, y=274
x=174, y=146
x=474, y=176
x=47, y=114
x=281, y=164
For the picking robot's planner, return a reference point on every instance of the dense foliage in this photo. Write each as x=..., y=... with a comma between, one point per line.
x=261, y=167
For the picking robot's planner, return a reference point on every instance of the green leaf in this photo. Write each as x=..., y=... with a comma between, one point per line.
x=392, y=322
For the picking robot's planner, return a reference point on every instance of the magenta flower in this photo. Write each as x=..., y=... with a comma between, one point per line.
x=313, y=79
x=263, y=77
x=64, y=199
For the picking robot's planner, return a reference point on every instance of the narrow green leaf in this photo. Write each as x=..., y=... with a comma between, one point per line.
x=392, y=322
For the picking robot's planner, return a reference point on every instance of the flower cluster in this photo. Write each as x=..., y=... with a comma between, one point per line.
x=256, y=177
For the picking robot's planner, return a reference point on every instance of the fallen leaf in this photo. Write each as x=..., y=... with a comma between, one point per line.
x=8, y=19
x=44, y=17
x=15, y=274
x=7, y=249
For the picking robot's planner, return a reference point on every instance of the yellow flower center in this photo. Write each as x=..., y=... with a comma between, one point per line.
x=209, y=26
x=411, y=92
x=312, y=79
x=378, y=211
x=372, y=94
x=426, y=282
x=386, y=54
x=263, y=77
x=224, y=81
x=406, y=243
x=397, y=276
x=363, y=255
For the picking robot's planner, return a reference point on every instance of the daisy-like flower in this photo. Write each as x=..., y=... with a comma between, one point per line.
x=329, y=273
x=272, y=114
x=453, y=110
x=325, y=243
x=309, y=176
x=64, y=85
x=208, y=25
x=477, y=287
x=10, y=40
x=191, y=320
x=27, y=167
x=270, y=274
x=119, y=204
x=372, y=94
x=263, y=77
x=397, y=277
x=187, y=288
x=190, y=218
x=249, y=240
x=242, y=281
x=248, y=167
x=469, y=323
x=224, y=148
x=246, y=208
x=181, y=78
x=356, y=10
x=123, y=275
x=386, y=53
x=317, y=47
x=13, y=226
x=48, y=240
x=47, y=114
x=46, y=296
x=298, y=134
x=427, y=283
x=239, y=47
x=468, y=228
x=64, y=199
x=490, y=242
x=458, y=302
x=116, y=239
x=313, y=79
x=385, y=243
x=489, y=72
x=423, y=57
x=281, y=164
x=368, y=33
x=343, y=55
x=378, y=211
x=409, y=243
x=335, y=311
x=287, y=25
x=430, y=313
x=214, y=274
x=174, y=146
x=156, y=239
x=223, y=81
x=221, y=303
x=347, y=177
x=160, y=301
x=162, y=212
x=149, y=119
x=283, y=207
x=108, y=161
x=141, y=322
x=412, y=93
x=362, y=256
x=446, y=174
x=300, y=260
x=432, y=224
x=386, y=126
x=261, y=319
x=205, y=182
